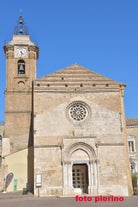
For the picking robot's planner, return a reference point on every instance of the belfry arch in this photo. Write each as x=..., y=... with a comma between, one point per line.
x=80, y=174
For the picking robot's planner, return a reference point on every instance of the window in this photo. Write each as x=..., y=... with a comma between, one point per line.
x=0, y=159
x=0, y=140
x=21, y=67
x=78, y=111
x=21, y=84
x=132, y=165
x=131, y=146
x=131, y=143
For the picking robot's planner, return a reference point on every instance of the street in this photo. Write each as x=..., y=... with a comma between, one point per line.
x=64, y=202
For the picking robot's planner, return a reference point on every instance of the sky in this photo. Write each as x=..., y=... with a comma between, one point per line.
x=101, y=35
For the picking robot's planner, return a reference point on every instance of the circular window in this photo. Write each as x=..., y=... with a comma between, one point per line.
x=21, y=84
x=78, y=111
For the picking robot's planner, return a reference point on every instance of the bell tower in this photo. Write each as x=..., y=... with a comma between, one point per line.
x=21, y=55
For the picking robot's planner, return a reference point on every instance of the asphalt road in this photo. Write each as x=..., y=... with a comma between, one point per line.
x=65, y=202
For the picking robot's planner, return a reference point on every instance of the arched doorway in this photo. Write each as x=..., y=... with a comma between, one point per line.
x=79, y=169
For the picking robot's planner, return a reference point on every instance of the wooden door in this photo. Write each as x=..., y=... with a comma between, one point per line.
x=80, y=177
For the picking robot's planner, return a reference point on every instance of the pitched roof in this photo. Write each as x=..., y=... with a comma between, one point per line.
x=76, y=76
x=132, y=121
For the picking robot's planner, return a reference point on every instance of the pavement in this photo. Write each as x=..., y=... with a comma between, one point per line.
x=15, y=195
x=19, y=200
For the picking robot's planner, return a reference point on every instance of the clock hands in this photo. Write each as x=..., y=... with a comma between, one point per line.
x=21, y=52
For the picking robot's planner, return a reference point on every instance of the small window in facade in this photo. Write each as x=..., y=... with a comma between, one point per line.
x=21, y=67
x=131, y=143
x=133, y=165
x=0, y=140
x=0, y=159
x=131, y=146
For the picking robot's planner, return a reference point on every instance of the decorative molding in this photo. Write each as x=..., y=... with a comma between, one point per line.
x=110, y=144
x=17, y=91
x=79, y=137
x=16, y=112
x=72, y=90
x=46, y=146
x=132, y=126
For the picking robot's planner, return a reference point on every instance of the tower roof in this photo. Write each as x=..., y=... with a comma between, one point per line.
x=21, y=35
x=21, y=28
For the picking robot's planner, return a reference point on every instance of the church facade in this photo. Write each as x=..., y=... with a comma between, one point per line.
x=64, y=133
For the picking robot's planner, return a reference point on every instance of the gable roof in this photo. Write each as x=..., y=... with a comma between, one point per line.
x=76, y=76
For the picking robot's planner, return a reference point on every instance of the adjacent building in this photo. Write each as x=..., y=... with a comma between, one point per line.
x=132, y=133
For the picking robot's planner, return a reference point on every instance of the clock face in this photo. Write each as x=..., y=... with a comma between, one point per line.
x=20, y=52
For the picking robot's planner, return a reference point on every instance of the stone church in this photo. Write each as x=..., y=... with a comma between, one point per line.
x=64, y=133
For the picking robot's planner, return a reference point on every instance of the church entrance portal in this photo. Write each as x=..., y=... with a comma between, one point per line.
x=80, y=173
x=80, y=177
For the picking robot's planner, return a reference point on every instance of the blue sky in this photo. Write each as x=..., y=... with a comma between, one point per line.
x=101, y=35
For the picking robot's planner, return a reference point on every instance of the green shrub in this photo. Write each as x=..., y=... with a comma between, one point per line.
x=134, y=180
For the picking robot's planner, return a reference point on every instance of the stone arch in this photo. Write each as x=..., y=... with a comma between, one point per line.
x=21, y=66
x=79, y=153
x=80, y=146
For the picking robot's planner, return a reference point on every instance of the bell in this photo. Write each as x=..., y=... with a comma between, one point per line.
x=21, y=69
x=21, y=31
x=20, y=20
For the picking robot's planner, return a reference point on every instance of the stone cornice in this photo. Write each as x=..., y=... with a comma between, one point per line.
x=110, y=144
x=46, y=146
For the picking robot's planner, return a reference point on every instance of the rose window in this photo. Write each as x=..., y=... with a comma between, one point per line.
x=78, y=111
